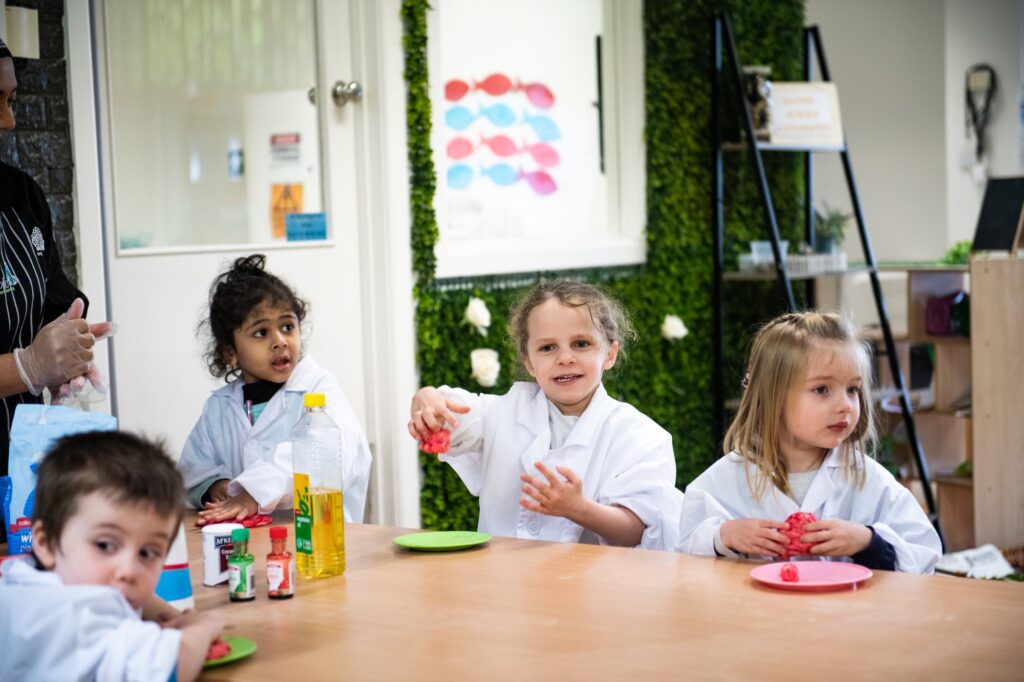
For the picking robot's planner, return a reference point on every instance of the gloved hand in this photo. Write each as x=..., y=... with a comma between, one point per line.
x=92, y=376
x=61, y=351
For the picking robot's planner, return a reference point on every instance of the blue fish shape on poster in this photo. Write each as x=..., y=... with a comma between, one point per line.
x=459, y=118
x=544, y=127
x=501, y=174
x=459, y=176
x=500, y=115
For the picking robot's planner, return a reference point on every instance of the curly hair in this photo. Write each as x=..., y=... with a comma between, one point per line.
x=233, y=295
x=608, y=315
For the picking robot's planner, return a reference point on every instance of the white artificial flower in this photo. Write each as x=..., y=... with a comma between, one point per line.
x=485, y=366
x=673, y=328
x=478, y=315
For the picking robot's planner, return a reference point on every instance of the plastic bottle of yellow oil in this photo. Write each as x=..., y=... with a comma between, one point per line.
x=319, y=517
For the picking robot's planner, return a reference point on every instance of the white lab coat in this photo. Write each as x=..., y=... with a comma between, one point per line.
x=53, y=631
x=258, y=457
x=721, y=494
x=621, y=456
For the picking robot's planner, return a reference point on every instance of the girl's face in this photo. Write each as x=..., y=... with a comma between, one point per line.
x=566, y=354
x=8, y=86
x=823, y=408
x=267, y=345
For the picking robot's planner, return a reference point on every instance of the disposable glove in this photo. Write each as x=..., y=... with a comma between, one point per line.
x=61, y=351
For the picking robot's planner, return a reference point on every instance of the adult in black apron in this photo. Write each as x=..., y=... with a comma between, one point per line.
x=44, y=342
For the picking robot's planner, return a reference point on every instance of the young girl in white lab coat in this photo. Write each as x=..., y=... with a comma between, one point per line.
x=237, y=460
x=797, y=444
x=558, y=458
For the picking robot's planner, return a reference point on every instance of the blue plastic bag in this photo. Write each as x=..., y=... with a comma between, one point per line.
x=34, y=431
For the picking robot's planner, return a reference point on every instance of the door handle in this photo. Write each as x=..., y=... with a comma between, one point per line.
x=343, y=93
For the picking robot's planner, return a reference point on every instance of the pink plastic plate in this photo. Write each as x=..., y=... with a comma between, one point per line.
x=814, y=575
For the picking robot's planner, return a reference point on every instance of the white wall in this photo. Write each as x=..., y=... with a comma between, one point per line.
x=887, y=61
x=981, y=31
x=900, y=67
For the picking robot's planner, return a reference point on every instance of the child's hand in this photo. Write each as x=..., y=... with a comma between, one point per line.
x=557, y=497
x=232, y=509
x=218, y=492
x=755, y=536
x=430, y=412
x=837, y=538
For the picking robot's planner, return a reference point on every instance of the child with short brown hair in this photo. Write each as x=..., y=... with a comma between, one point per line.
x=108, y=506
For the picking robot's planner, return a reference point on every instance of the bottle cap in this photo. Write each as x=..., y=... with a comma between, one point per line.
x=279, y=533
x=313, y=400
x=240, y=535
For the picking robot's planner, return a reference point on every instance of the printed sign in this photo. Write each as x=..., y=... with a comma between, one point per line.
x=285, y=149
x=805, y=115
x=304, y=227
x=284, y=199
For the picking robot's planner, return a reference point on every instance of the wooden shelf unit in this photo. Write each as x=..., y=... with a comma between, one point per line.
x=989, y=365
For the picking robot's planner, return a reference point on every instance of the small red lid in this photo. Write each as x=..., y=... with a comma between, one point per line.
x=279, y=533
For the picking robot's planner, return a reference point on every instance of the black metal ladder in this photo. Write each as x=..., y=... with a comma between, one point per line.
x=723, y=40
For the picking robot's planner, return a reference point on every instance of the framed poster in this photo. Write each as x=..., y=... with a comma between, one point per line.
x=528, y=132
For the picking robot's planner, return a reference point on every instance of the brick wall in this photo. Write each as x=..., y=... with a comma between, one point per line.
x=41, y=143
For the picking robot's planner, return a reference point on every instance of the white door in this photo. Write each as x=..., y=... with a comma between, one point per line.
x=200, y=113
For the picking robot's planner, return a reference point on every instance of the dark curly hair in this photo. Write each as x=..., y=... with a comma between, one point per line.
x=233, y=295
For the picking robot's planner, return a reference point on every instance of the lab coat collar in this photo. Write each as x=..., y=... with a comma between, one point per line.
x=822, y=487
x=534, y=416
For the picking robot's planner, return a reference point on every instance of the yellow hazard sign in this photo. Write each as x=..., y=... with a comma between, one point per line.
x=284, y=199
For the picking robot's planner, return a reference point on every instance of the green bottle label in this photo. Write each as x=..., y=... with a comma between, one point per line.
x=303, y=515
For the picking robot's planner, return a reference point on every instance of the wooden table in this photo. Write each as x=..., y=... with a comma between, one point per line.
x=525, y=610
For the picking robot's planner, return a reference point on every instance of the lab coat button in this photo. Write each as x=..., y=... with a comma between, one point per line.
x=534, y=528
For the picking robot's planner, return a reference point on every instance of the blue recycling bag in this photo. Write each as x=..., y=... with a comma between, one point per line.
x=35, y=429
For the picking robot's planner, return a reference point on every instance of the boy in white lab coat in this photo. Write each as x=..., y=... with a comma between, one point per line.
x=237, y=460
x=558, y=458
x=108, y=506
x=797, y=444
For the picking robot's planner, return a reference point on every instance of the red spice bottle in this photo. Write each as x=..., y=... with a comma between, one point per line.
x=280, y=566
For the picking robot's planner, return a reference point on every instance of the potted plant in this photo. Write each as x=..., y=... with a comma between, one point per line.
x=829, y=228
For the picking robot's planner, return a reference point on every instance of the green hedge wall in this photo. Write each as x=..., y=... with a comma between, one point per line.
x=669, y=381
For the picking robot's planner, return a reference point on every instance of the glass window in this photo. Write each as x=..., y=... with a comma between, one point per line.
x=213, y=129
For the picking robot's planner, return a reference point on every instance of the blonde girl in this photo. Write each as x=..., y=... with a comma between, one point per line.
x=557, y=458
x=797, y=444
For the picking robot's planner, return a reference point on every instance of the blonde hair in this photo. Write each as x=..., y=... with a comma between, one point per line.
x=608, y=315
x=778, y=360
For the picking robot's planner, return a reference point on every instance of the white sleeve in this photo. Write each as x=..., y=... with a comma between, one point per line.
x=647, y=488
x=466, y=451
x=199, y=459
x=269, y=483
x=900, y=521
x=700, y=518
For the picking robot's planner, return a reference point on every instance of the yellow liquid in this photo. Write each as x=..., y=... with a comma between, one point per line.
x=328, y=535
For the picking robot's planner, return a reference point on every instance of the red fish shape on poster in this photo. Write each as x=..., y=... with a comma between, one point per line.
x=459, y=148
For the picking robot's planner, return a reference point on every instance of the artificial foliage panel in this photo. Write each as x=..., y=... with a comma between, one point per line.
x=670, y=381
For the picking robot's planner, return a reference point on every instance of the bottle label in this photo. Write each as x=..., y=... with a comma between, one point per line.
x=303, y=515
x=241, y=582
x=279, y=577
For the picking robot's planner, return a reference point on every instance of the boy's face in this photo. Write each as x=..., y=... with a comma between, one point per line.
x=106, y=543
x=267, y=345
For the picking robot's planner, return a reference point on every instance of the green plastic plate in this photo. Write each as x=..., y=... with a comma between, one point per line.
x=240, y=648
x=442, y=540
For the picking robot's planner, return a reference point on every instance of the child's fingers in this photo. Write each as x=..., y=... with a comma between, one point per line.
x=552, y=479
x=530, y=505
x=457, y=407
x=450, y=419
x=531, y=492
x=569, y=474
